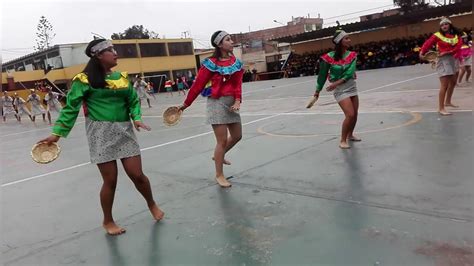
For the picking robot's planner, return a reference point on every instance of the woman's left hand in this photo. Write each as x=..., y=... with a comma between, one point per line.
x=140, y=124
x=235, y=107
x=331, y=87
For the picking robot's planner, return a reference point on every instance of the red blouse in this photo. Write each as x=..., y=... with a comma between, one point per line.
x=442, y=43
x=222, y=84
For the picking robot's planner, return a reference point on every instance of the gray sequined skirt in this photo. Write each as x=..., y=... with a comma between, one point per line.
x=446, y=66
x=345, y=90
x=109, y=141
x=218, y=111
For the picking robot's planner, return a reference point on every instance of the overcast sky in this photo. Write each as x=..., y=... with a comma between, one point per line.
x=73, y=20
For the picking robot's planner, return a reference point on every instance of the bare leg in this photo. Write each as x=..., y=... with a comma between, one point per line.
x=355, y=105
x=133, y=168
x=220, y=131
x=108, y=171
x=445, y=81
x=49, y=118
x=450, y=91
x=461, y=74
x=148, y=101
x=235, y=131
x=44, y=117
x=348, y=109
x=468, y=73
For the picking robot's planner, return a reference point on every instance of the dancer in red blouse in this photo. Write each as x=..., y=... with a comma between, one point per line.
x=224, y=96
x=447, y=42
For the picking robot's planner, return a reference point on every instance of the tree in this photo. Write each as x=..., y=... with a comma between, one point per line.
x=407, y=5
x=44, y=34
x=135, y=32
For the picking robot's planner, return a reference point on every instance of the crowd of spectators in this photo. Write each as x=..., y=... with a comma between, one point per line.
x=372, y=55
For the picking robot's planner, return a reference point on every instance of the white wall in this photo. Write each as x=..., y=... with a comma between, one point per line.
x=73, y=54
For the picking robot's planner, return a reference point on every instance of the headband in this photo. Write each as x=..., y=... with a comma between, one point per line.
x=96, y=49
x=340, y=36
x=445, y=20
x=219, y=37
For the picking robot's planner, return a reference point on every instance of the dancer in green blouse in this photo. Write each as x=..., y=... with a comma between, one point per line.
x=339, y=67
x=110, y=105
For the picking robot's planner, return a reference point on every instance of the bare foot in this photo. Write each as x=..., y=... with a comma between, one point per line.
x=354, y=138
x=156, y=212
x=451, y=105
x=222, y=181
x=444, y=112
x=225, y=161
x=344, y=145
x=113, y=229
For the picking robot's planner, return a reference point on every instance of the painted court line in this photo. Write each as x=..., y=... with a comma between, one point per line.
x=144, y=149
x=33, y=130
x=209, y=132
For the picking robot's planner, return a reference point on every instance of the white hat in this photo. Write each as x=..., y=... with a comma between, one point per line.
x=445, y=20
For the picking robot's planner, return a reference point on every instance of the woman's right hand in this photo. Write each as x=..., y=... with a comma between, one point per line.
x=445, y=53
x=49, y=140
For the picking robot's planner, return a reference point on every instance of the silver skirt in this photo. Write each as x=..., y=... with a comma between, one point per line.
x=345, y=90
x=218, y=111
x=446, y=66
x=467, y=61
x=109, y=141
x=37, y=109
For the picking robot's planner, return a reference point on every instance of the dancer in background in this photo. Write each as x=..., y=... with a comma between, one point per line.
x=7, y=106
x=448, y=42
x=465, y=58
x=340, y=66
x=21, y=107
x=112, y=110
x=36, y=106
x=223, y=98
x=52, y=103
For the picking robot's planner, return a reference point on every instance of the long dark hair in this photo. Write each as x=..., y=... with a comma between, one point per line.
x=95, y=73
x=94, y=70
x=452, y=30
x=217, y=51
x=338, y=51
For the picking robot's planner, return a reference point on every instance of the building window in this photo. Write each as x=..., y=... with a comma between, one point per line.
x=180, y=48
x=19, y=67
x=188, y=73
x=126, y=50
x=152, y=49
x=53, y=54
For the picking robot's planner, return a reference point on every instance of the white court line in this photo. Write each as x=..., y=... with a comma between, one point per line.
x=267, y=89
x=277, y=87
x=46, y=174
x=330, y=113
x=33, y=130
x=396, y=83
x=408, y=91
x=144, y=149
x=203, y=134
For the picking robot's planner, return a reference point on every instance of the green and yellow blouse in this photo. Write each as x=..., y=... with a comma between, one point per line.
x=117, y=102
x=336, y=69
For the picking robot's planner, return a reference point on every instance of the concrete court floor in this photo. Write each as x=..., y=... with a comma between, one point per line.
x=402, y=196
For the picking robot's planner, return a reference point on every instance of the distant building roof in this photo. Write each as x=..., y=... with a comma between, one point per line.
x=408, y=18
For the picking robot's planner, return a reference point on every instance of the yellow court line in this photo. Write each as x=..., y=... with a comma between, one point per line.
x=416, y=117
